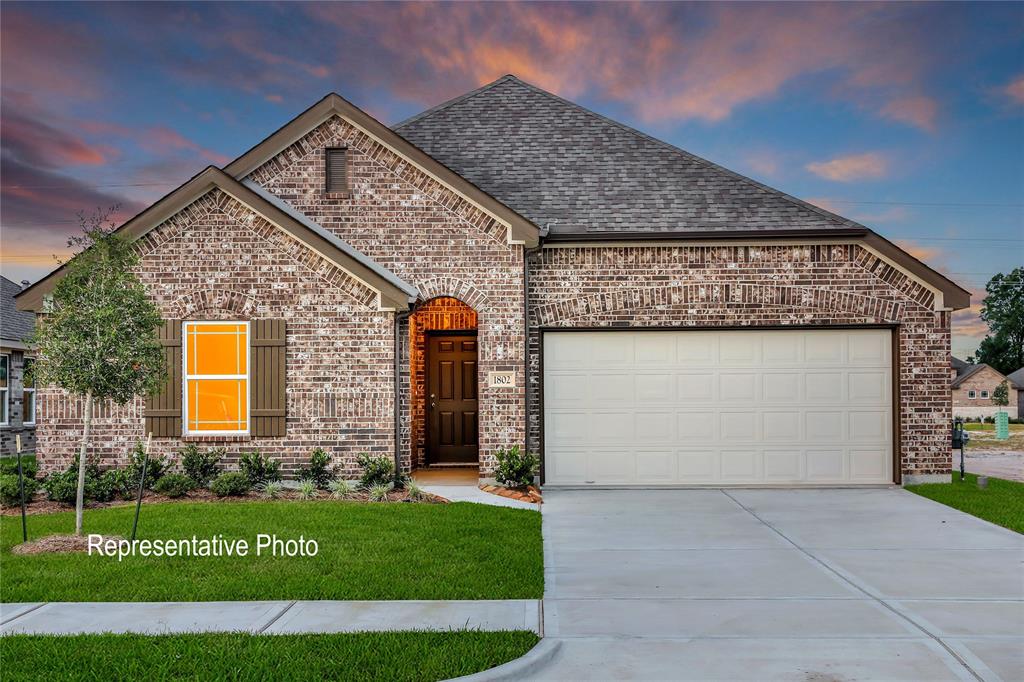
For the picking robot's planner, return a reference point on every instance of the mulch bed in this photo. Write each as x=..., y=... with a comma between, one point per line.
x=40, y=505
x=53, y=544
x=527, y=494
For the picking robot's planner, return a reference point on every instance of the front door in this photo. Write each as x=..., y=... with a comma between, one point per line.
x=451, y=399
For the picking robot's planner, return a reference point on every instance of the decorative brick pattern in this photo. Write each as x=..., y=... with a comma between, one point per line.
x=746, y=286
x=435, y=315
x=219, y=260
x=430, y=237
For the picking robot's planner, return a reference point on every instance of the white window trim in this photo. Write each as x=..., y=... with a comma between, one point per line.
x=25, y=391
x=5, y=415
x=972, y=394
x=185, y=377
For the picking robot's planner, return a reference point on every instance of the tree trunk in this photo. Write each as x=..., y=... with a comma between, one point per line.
x=80, y=498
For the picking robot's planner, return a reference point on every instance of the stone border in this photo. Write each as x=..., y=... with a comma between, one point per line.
x=532, y=494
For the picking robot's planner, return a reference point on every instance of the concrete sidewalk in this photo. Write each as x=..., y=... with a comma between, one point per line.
x=268, y=617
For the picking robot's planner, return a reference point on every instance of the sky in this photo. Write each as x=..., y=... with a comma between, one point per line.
x=908, y=118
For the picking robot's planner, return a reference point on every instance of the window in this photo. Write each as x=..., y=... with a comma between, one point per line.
x=984, y=394
x=971, y=395
x=216, y=372
x=5, y=373
x=29, y=415
x=337, y=169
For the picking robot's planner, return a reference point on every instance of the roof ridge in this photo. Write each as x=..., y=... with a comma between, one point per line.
x=699, y=159
x=455, y=100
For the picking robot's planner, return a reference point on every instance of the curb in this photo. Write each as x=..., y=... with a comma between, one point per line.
x=522, y=668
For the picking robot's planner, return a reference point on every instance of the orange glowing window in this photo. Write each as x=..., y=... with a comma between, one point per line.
x=216, y=359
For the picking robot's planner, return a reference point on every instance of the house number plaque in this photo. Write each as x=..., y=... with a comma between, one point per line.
x=501, y=379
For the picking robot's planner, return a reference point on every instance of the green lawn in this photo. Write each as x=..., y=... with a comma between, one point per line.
x=366, y=551
x=361, y=656
x=1001, y=503
x=978, y=426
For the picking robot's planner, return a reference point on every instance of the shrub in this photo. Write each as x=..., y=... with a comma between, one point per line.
x=155, y=468
x=271, y=489
x=62, y=486
x=9, y=493
x=174, y=485
x=379, y=492
x=318, y=470
x=341, y=489
x=307, y=490
x=103, y=487
x=201, y=467
x=515, y=467
x=413, y=491
x=259, y=468
x=9, y=466
x=233, y=483
x=377, y=470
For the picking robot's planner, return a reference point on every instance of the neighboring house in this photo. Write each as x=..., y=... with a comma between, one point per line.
x=509, y=268
x=1017, y=386
x=973, y=386
x=17, y=397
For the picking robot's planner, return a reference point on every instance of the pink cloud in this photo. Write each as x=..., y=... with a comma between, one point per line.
x=766, y=164
x=160, y=139
x=868, y=166
x=918, y=110
x=1015, y=89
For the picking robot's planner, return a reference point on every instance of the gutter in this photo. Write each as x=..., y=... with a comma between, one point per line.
x=705, y=234
x=527, y=252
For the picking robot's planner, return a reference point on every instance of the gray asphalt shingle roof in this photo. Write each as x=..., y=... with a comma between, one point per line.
x=571, y=170
x=15, y=325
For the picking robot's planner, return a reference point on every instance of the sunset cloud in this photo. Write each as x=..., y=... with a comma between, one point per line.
x=868, y=166
x=1015, y=89
x=917, y=110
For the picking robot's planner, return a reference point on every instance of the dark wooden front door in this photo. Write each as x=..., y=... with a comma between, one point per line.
x=451, y=400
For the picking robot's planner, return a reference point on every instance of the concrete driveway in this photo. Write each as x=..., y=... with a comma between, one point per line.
x=778, y=584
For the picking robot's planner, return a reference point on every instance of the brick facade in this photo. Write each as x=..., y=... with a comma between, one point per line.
x=745, y=286
x=16, y=406
x=433, y=239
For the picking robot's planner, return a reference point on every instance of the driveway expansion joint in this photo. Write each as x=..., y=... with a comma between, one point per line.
x=883, y=602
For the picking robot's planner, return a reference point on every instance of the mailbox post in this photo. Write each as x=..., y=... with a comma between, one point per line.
x=959, y=436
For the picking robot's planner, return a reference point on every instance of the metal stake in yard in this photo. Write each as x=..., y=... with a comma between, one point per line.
x=142, y=484
x=21, y=490
x=958, y=442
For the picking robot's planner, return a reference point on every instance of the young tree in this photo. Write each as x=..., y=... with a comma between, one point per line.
x=1001, y=394
x=1003, y=310
x=97, y=337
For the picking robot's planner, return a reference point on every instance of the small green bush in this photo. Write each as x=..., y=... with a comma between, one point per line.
x=62, y=486
x=377, y=470
x=516, y=469
x=271, y=490
x=308, y=490
x=341, y=489
x=259, y=468
x=100, y=486
x=413, y=491
x=155, y=468
x=174, y=485
x=9, y=465
x=379, y=491
x=233, y=483
x=201, y=467
x=318, y=470
x=9, y=494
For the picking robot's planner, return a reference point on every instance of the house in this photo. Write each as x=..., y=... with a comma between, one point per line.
x=509, y=268
x=973, y=386
x=1016, y=380
x=17, y=396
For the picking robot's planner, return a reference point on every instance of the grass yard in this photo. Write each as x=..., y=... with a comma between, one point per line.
x=360, y=656
x=1001, y=503
x=366, y=551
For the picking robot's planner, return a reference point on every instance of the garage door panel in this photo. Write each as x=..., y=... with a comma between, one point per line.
x=731, y=407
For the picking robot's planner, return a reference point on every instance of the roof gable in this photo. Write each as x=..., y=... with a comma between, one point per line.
x=974, y=370
x=392, y=292
x=521, y=229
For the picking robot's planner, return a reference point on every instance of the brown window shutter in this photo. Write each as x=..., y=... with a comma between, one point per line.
x=266, y=377
x=163, y=410
x=337, y=169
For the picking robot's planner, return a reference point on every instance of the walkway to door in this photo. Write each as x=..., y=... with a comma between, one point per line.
x=777, y=584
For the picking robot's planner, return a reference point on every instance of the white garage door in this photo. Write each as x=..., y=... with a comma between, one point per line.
x=789, y=407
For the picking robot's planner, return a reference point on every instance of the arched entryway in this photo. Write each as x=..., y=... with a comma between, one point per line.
x=444, y=384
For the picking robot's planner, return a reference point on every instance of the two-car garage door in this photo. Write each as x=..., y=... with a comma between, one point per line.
x=790, y=407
